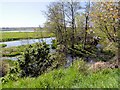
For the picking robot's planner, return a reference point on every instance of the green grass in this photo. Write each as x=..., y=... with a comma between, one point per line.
x=3, y=45
x=10, y=36
x=10, y=62
x=14, y=51
x=71, y=77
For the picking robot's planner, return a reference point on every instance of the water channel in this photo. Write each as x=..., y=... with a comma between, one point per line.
x=24, y=42
x=31, y=41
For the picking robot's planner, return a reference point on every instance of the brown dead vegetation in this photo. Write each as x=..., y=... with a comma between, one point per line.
x=103, y=65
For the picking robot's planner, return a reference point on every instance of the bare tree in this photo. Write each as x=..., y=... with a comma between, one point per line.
x=87, y=12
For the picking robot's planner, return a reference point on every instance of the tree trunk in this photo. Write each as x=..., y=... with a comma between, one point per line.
x=65, y=31
x=73, y=28
x=86, y=28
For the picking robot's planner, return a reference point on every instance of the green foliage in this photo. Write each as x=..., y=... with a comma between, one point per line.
x=54, y=44
x=81, y=66
x=79, y=51
x=12, y=74
x=91, y=52
x=3, y=45
x=35, y=60
x=13, y=51
x=11, y=54
x=72, y=77
x=106, y=55
x=105, y=17
x=10, y=62
x=4, y=68
x=10, y=36
x=58, y=59
x=108, y=52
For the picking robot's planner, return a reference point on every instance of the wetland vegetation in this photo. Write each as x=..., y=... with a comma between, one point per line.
x=86, y=49
x=10, y=36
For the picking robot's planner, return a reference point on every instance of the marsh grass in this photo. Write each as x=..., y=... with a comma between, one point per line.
x=3, y=45
x=10, y=36
x=14, y=51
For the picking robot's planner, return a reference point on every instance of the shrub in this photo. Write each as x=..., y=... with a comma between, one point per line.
x=12, y=71
x=54, y=44
x=35, y=60
x=58, y=60
x=81, y=66
x=4, y=68
x=80, y=52
x=12, y=75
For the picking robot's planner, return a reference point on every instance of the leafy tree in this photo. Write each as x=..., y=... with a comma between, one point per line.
x=105, y=16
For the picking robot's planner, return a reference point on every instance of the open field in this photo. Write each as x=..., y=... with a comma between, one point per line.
x=10, y=36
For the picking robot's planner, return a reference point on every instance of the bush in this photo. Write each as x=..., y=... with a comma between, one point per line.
x=81, y=66
x=80, y=52
x=54, y=44
x=35, y=60
x=109, y=52
x=4, y=68
x=12, y=75
x=58, y=60
x=12, y=71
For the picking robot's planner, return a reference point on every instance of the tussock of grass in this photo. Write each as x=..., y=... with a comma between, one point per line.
x=72, y=77
x=11, y=54
x=3, y=45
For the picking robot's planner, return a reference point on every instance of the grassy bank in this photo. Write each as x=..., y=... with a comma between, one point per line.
x=10, y=36
x=13, y=51
x=3, y=45
x=72, y=77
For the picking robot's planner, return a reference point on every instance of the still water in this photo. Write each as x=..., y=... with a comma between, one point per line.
x=31, y=41
x=27, y=41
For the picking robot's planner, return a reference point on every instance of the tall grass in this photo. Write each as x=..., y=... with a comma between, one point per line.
x=72, y=77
